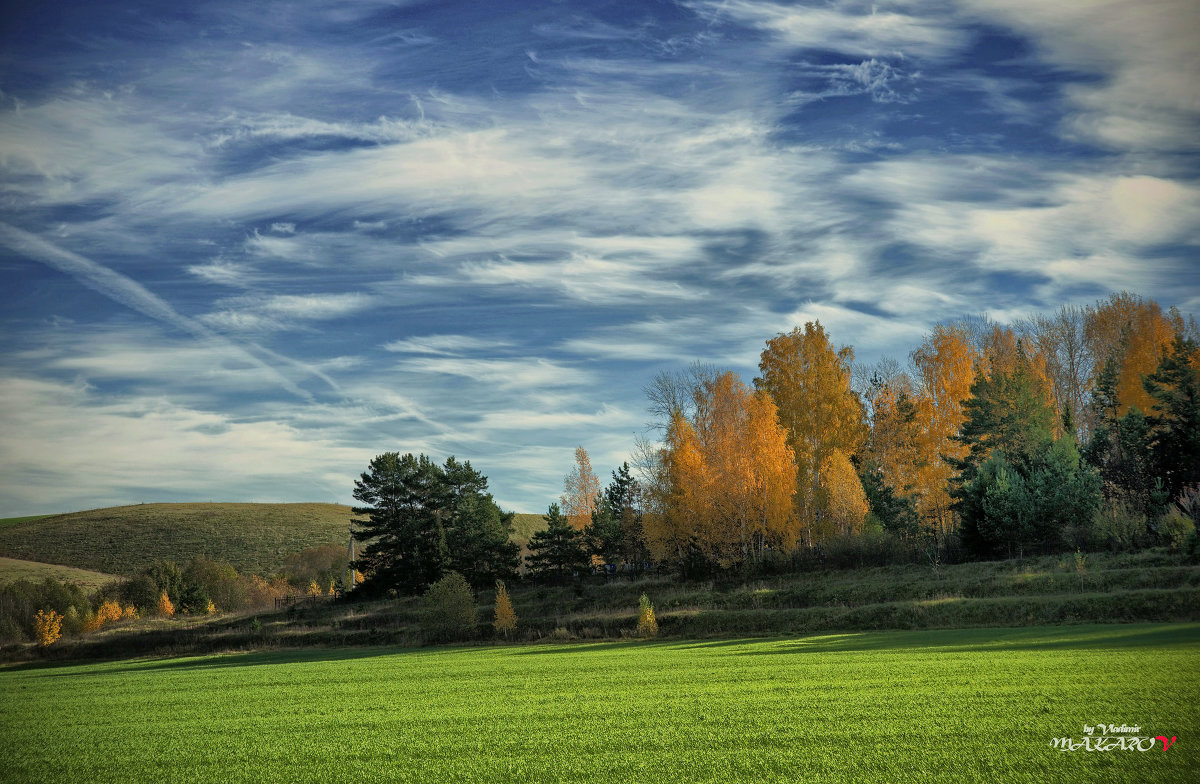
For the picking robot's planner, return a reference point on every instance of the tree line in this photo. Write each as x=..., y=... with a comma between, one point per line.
x=1079, y=429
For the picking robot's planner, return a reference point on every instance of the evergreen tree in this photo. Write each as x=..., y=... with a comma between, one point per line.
x=1017, y=487
x=1120, y=449
x=556, y=552
x=1174, y=422
x=477, y=532
x=615, y=533
x=401, y=523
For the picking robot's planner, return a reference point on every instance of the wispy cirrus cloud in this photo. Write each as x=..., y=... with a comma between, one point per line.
x=486, y=243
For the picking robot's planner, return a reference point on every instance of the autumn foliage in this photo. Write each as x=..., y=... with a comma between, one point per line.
x=47, y=627
x=1114, y=384
x=506, y=616
x=165, y=608
x=647, y=625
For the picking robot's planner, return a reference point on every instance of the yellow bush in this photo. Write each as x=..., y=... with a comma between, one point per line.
x=47, y=627
x=165, y=608
x=314, y=589
x=210, y=608
x=647, y=625
x=130, y=612
x=108, y=612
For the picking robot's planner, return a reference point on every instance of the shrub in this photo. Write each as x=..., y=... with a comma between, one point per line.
x=448, y=610
x=506, y=616
x=314, y=589
x=647, y=625
x=165, y=607
x=1118, y=526
x=1174, y=528
x=47, y=627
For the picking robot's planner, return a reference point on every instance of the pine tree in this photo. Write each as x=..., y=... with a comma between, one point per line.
x=1174, y=435
x=556, y=553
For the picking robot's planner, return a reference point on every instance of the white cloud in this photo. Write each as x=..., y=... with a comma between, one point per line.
x=1144, y=52
x=860, y=29
x=63, y=448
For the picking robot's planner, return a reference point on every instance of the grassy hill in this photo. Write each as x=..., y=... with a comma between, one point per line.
x=12, y=569
x=525, y=526
x=124, y=539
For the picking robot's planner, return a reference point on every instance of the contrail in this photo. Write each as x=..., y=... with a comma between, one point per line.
x=135, y=296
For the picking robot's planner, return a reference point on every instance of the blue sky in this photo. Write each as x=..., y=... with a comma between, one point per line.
x=245, y=247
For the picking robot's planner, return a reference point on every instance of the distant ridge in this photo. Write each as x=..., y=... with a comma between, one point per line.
x=121, y=540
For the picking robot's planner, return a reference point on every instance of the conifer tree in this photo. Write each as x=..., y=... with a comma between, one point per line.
x=556, y=552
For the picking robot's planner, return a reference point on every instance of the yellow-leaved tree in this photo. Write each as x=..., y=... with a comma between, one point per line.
x=1133, y=332
x=581, y=490
x=506, y=616
x=809, y=382
x=845, y=502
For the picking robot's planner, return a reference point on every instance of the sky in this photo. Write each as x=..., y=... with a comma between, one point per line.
x=246, y=247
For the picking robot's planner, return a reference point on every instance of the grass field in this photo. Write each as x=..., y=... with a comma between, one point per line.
x=16, y=520
x=954, y=706
x=12, y=569
x=255, y=538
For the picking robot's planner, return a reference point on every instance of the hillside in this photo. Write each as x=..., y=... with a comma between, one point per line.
x=12, y=569
x=525, y=526
x=123, y=539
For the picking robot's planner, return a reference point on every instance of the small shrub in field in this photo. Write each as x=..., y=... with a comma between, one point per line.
x=72, y=621
x=647, y=625
x=314, y=589
x=448, y=610
x=1174, y=528
x=332, y=591
x=165, y=608
x=47, y=627
x=506, y=616
x=210, y=608
x=1118, y=526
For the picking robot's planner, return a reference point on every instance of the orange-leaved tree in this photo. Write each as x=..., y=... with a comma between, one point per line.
x=945, y=366
x=727, y=478
x=165, y=607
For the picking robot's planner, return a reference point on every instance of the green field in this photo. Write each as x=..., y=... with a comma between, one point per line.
x=954, y=706
x=15, y=520
x=12, y=569
x=255, y=538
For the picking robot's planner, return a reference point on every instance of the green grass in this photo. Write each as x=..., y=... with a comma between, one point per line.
x=255, y=538
x=16, y=520
x=952, y=706
x=12, y=569
x=525, y=526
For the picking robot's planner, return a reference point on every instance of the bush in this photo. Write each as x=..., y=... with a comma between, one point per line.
x=870, y=548
x=1174, y=528
x=647, y=625
x=1118, y=526
x=165, y=607
x=47, y=627
x=448, y=610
